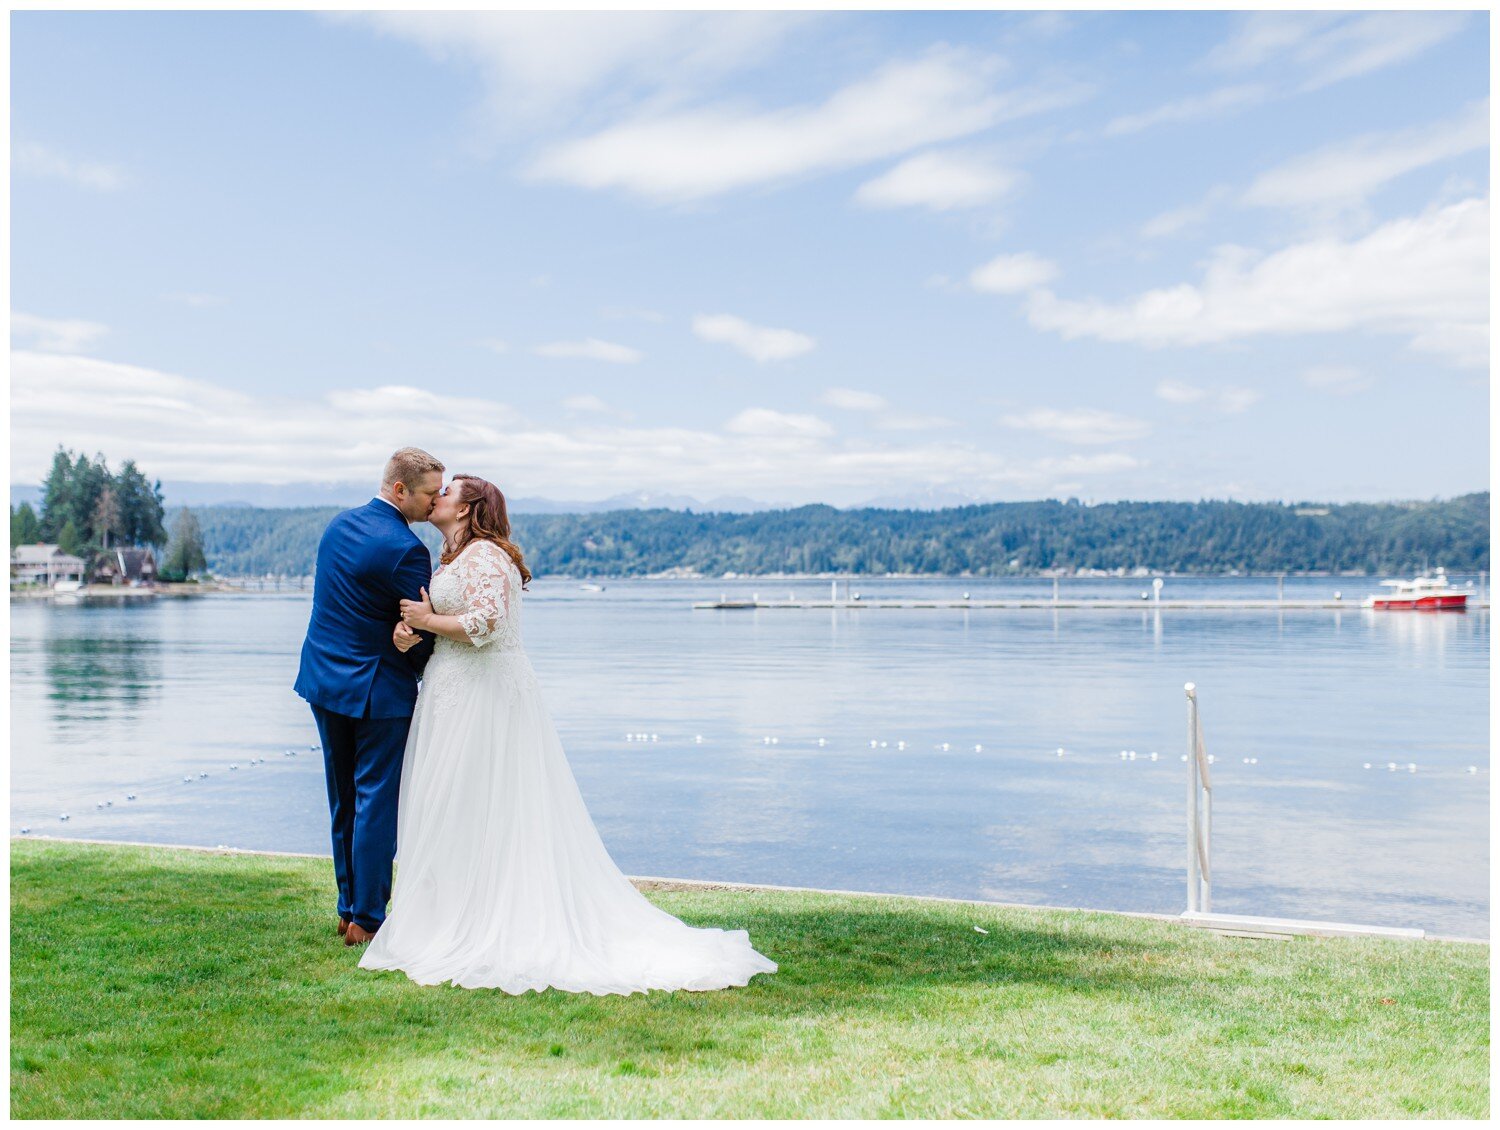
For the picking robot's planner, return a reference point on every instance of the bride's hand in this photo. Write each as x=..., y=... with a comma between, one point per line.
x=404, y=638
x=417, y=613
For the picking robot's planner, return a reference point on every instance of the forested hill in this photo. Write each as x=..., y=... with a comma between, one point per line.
x=1004, y=538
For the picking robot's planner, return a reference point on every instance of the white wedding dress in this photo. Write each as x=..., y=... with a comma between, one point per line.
x=501, y=880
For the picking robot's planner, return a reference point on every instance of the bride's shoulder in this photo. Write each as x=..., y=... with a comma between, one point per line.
x=482, y=551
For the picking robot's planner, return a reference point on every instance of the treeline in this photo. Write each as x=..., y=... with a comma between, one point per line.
x=86, y=508
x=998, y=539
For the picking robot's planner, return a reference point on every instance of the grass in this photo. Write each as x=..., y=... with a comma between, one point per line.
x=153, y=982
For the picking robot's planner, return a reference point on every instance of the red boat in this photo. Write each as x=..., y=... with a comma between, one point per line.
x=1426, y=594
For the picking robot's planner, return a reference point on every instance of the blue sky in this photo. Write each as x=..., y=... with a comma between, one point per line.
x=795, y=257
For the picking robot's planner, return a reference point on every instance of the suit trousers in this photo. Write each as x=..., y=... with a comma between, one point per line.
x=362, y=760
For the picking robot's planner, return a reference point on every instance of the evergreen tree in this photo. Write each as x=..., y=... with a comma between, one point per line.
x=141, y=508
x=25, y=526
x=185, y=555
x=57, y=494
x=69, y=541
x=90, y=478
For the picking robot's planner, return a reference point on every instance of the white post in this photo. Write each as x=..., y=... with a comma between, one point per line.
x=1193, y=881
x=1200, y=811
x=1206, y=826
x=835, y=592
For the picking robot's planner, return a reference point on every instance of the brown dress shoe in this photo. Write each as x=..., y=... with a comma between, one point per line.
x=343, y=926
x=357, y=935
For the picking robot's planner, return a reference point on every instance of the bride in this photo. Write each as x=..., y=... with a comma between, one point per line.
x=502, y=880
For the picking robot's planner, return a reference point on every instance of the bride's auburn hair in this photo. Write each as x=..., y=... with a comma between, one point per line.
x=487, y=521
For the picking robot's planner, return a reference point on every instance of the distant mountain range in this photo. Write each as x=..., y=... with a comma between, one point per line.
x=270, y=496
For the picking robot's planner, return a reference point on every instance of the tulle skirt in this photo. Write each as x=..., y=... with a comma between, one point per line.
x=502, y=880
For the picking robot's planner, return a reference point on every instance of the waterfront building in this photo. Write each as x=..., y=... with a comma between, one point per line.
x=44, y=565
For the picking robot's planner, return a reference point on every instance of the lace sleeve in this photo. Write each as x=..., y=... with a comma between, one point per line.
x=484, y=589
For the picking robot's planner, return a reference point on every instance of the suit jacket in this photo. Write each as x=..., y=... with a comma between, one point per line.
x=368, y=561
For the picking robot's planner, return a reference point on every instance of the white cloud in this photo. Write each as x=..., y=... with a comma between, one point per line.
x=1465, y=343
x=1236, y=400
x=770, y=424
x=181, y=428
x=402, y=402
x=40, y=161
x=691, y=154
x=911, y=422
x=186, y=428
x=1176, y=392
x=1306, y=51
x=1229, y=399
x=940, y=181
x=1328, y=47
x=1013, y=274
x=590, y=349
x=1369, y=43
x=1042, y=25
x=1193, y=108
x=1339, y=379
x=760, y=343
x=1341, y=176
x=1105, y=463
x=1080, y=425
x=1178, y=219
x=1426, y=276
x=54, y=335
x=538, y=67
x=493, y=344
x=1351, y=171
x=853, y=400
x=883, y=418
x=1264, y=36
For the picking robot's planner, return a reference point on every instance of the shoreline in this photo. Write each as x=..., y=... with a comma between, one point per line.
x=123, y=592
x=1479, y=599
x=663, y=883
x=1037, y=603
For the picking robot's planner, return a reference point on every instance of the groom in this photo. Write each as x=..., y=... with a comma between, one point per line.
x=360, y=686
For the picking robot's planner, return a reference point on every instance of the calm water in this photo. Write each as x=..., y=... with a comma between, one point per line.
x=110, y=700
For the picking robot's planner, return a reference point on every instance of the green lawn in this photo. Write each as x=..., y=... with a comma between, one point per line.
x=152, y=982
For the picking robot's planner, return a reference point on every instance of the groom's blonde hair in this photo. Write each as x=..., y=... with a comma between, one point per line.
x=408, y=466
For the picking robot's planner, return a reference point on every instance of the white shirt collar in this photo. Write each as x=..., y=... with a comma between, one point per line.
x=393, y=506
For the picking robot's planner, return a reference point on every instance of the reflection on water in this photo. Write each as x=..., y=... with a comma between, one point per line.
x=95, y=680
x=106, y=700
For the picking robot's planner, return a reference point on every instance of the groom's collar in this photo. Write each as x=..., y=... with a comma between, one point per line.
x=393, y=506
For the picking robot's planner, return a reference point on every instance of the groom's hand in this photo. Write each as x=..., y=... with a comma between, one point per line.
x=404, y=638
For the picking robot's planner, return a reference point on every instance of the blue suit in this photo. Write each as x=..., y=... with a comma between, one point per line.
x=362, y=691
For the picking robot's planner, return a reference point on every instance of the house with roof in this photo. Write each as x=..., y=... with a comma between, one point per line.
x=44, y=565
x=125, y=565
